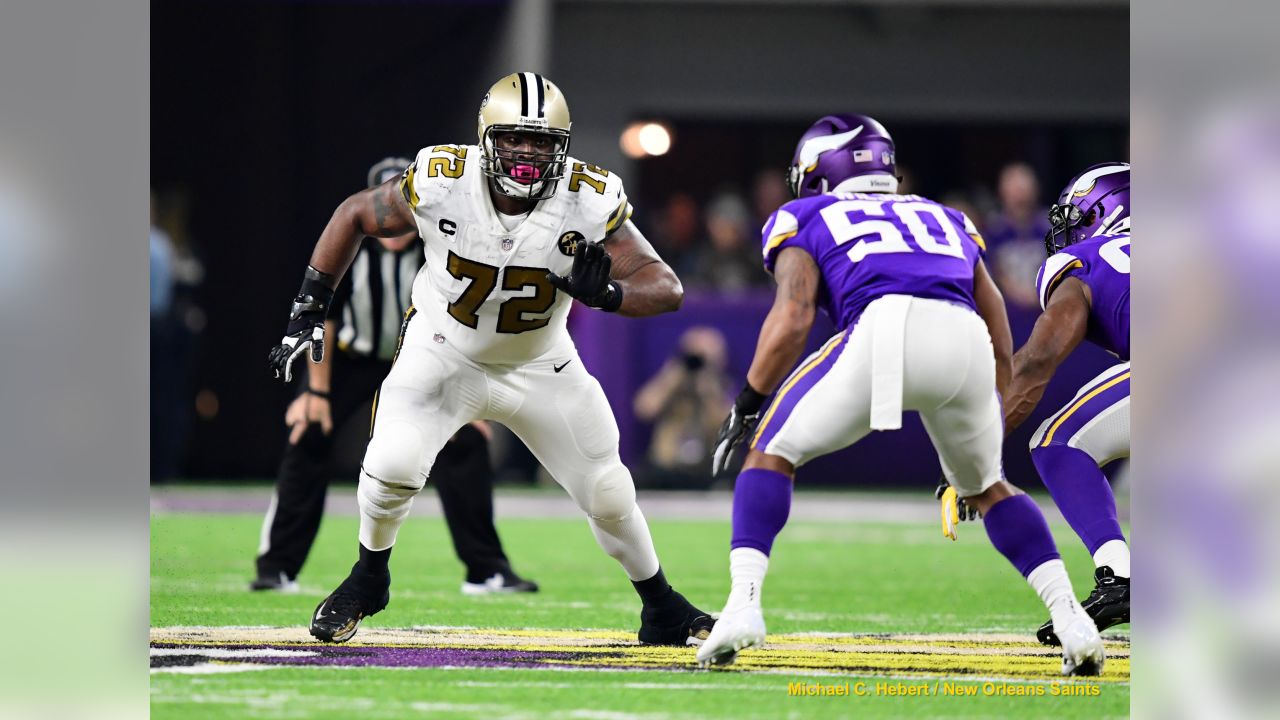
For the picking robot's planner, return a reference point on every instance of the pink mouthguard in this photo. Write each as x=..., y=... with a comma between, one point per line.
x=525, y=173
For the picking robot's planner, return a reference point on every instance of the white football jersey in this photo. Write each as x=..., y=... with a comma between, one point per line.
x=483, y=287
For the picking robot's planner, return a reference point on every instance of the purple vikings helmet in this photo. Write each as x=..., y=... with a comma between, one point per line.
x=1095, y=202
x=850, y=153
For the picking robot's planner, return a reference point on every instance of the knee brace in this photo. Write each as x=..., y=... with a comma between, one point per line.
x=610, y=496
x=381, y=501
x=392, y=472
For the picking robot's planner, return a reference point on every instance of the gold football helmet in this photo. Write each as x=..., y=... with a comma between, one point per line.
x=519, y=104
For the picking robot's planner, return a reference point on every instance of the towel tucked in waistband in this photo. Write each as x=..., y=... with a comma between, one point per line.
x=887, y=349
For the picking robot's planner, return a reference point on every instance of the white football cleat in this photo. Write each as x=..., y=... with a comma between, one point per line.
x=1082, y=652
x=735, y=630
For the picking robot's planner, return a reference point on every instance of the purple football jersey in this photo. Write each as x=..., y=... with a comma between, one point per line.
x=1102, y=263
x=871, y=245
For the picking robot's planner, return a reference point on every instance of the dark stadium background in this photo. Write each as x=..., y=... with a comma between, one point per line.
x=265, y=116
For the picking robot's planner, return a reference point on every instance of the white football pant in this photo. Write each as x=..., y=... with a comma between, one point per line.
x=563, y=417
x=904, y=353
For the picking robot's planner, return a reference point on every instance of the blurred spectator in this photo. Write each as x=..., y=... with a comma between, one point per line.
x=958, y=200
x=678, y=230
x=686, y=401
x=768, y=193
x=168, y=409
x=1015, y=234
x=161, y=269
x=730, y=261
x=174, y=210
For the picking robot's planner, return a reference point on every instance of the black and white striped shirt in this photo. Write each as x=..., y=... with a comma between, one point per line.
x=372, y=300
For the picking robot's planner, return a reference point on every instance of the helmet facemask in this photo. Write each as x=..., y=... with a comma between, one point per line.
x=1063, y=222
x=795, y=176
x=527, y=174
x=1068, y=224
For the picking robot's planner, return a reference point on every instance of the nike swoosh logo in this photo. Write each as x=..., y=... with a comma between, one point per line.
x=558, y=368
x=814, y=148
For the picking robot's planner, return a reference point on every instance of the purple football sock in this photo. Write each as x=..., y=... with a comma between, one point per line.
x=761, y=503
x=1018, y=530
x=1081, y=492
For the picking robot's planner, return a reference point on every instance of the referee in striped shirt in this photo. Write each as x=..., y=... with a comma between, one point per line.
x=366, y=318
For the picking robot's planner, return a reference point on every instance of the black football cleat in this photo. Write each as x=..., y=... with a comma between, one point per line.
x=274, y=582
x=358, y=597
x=674, y=621
x=1108, y=604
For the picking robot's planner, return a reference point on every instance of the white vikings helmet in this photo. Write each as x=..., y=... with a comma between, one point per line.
x=521, y=103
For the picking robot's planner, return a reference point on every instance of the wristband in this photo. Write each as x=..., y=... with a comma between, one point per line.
x=612, y=297
x=317, y=393
x=319, y=276
x=749, y=401
x=316, y=290
x=315, y=296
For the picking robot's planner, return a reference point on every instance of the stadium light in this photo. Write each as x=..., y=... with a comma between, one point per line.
x=645, y=139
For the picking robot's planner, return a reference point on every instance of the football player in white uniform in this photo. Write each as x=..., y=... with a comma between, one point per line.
x=514, y=229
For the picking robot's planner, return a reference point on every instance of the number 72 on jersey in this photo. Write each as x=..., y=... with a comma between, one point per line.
x=484, y=278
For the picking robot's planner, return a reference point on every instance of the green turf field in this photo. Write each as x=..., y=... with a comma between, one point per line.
x=897, y=579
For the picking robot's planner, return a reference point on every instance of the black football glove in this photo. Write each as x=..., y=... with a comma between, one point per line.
x=740, y=423
x=306, y=324
x=588, y=280
x=954, y=509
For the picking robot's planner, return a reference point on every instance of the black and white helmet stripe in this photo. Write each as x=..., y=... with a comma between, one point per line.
x=532, y=96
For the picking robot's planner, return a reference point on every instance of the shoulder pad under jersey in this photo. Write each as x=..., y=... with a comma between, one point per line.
x=1057, y=268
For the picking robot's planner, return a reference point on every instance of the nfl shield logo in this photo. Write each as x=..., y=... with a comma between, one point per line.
x=507, y=243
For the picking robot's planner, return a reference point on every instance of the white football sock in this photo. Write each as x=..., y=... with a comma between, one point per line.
x=1115, y=555
x=379, y=533
x=1051, y=583
x=628, y=541
x=747, y=568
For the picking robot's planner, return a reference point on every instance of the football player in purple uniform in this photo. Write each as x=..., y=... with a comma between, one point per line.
x=921, y=327
x=1084, y=290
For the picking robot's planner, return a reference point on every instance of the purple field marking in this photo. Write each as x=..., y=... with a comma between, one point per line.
x=381, y=656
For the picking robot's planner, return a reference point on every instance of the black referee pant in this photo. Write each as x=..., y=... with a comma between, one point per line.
x=462, y=475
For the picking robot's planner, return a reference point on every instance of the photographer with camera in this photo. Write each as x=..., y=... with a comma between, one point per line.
x=685, y=400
